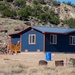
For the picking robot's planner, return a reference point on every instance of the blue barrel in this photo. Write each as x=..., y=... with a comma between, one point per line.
x=48, y=56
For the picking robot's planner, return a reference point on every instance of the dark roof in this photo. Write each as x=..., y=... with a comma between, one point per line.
x=54, y=30
x=44, y=29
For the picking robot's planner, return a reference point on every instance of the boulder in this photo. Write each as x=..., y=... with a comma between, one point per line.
x=43, y=62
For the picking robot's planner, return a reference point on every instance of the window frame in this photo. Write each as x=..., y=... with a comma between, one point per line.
x=71, y=40
x=52, y=35
x=30, y=35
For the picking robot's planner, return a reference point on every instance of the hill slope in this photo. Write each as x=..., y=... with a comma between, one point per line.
x=16, y=15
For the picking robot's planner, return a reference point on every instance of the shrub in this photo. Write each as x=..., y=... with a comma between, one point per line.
x=20, y=3
x=46, y=8
x=14, y=13
x=35, y=2
x=3, y=6
x=70, y=22
x=72, y=60
x=9, y=0
x=8, y=13
x=54, y=20
x=69, y=3
x=25, y=12
x=36, y=10
x=56, y=3
x=44, y=17
x=39, y=2
x=49, y=17
x=42, y=1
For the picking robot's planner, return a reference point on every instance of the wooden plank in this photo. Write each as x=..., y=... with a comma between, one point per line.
x=14, y=47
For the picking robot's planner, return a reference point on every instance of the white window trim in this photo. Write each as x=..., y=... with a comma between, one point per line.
x=53, y=39
x=71, y=41
x=34, y=39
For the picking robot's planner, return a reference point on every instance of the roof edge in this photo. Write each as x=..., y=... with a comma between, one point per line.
x=18, y=33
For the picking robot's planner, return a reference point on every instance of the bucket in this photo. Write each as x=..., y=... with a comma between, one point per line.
x=48, y=56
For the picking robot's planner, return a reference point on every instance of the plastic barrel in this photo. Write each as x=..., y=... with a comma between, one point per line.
x=48, y=56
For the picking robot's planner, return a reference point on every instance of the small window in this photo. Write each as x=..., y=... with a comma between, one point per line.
x=72, y=40
x=53, y=39
x=32, y=38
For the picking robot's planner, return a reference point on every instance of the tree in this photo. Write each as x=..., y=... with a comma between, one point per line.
x=69, y=3
x=25, y=12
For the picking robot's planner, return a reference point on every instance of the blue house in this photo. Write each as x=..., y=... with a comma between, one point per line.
x=44, y=39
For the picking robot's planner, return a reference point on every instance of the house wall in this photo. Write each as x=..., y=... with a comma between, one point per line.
x=62, y=44
x=32, y=47
x=15, y=39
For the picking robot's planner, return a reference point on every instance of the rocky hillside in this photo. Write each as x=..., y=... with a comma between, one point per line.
x=9, y=26
x=41, y=12
x=65, y=11
x=16, y=15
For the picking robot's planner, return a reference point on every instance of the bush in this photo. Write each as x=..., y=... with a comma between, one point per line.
x=69, y=3
x=55, y=3
x=36, y=10
x=47, y=17
x=46, y=8
x=70, y=22
x=42, y=1
x=72, y=61
x=8, y=13
x=44, y=17
x=54, y=20
x=3, y=6
x=35, y=2
x=14, y=13
x=9, y=0
x=39, y=1
x=25, y=12
x=20, y=3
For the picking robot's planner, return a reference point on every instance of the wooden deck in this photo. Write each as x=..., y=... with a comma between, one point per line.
x=15, y=48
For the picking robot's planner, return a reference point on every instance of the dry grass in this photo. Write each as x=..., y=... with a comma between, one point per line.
x=27, y=64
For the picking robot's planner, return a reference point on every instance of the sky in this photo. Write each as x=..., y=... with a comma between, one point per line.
x=72, y=1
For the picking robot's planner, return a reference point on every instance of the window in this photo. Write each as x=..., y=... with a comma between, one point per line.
x=32, y=38
x=72, y=40
x=53, y=39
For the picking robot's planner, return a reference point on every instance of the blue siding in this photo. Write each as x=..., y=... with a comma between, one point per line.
x=62, y=40
x=32, y=47
x=15, y=39
x=62, y=44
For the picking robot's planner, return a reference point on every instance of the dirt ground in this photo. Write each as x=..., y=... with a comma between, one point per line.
x=27, y=64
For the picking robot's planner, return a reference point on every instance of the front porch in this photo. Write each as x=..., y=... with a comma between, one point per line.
x=15, y=48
